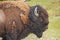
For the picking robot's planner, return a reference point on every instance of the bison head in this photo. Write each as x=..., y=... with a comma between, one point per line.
x=38, y=20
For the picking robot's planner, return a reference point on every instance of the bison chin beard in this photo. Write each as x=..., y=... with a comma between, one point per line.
x=38, y=34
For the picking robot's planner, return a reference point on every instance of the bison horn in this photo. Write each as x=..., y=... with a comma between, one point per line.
x=35, y=12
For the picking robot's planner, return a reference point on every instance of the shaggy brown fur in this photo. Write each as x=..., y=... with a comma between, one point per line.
x=12, y=19
x=20, y=4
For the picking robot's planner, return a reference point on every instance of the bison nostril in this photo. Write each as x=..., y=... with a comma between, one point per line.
x=46, y=24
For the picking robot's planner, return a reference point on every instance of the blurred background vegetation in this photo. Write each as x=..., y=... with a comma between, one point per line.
x=53, y=9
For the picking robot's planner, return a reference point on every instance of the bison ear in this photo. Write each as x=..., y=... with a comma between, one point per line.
x=24, y=18
x=35, y=12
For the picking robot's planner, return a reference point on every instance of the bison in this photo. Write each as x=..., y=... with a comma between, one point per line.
x=18, y=20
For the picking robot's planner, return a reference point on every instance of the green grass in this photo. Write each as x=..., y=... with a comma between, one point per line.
x=54, y=27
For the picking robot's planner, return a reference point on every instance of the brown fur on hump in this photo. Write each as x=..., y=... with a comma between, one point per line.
x=20, y=4
x=23, y=6
x=12, y=11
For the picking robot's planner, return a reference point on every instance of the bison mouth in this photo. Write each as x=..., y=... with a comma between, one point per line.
x=39, y=34
x=45, y=28
x=39, y=31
